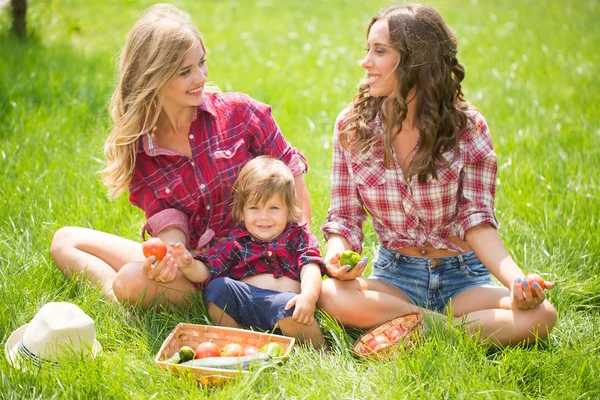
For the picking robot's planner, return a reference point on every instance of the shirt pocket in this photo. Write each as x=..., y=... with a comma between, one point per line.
x=175, y=194
x=229, y=158
x=368, y=173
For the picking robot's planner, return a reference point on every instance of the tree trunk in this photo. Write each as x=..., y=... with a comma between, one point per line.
x=19, y=15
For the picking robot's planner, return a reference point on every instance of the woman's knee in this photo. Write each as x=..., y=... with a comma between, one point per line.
x=546, y=319
x=129, y=284
x=63, y=242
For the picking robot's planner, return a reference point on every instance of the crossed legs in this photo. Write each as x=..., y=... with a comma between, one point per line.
x=114, y=264
x=366, y=303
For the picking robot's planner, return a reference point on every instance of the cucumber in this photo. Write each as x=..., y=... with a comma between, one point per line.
x=175, y=359
x=228, y=362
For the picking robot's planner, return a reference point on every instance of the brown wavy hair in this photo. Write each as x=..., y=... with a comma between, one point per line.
x=428, y=64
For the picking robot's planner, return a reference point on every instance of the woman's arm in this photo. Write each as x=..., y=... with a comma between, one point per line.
x=487, y=245
x=303, y=199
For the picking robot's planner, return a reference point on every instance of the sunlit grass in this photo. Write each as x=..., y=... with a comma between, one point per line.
x=532, y=69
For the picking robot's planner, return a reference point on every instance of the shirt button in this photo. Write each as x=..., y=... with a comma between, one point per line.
x=413, y=217
x=191, y=136
x=193, y=163
x=167, y=190
x=208, y=207
x=270, y=253
x=202, y=186
x=228, y=153
x=197, y=218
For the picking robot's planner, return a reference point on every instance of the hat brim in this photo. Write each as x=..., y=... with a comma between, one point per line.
x=11, y=347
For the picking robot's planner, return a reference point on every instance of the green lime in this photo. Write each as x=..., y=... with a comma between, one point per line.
x=272, y=349
x=350, y=258
x=186, y=353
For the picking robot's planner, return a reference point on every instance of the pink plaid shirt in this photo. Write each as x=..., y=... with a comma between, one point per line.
x=409, y=213
x=193, y=194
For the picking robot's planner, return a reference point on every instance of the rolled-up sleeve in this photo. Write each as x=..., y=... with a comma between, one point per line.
x=307, y=250
x=476, y=205
x=346, y=213
x=269, y=139
x=218, y=260
x=158, y=215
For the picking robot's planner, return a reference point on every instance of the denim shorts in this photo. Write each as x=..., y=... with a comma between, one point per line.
x=248, y=305
x=430, y=282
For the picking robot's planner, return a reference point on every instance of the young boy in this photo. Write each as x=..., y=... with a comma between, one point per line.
x=273, y=263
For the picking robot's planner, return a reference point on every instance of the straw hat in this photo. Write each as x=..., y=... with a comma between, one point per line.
x=57, y=329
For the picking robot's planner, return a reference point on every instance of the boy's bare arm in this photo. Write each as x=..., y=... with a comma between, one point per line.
x=311, y=281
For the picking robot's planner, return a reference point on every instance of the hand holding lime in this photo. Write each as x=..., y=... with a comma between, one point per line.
x=350, y=258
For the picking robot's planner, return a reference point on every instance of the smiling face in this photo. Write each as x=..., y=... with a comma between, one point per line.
x=266, y=221
x=186, y=88
x=381, y=60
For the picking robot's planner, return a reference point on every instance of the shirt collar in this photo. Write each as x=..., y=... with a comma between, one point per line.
x=209, y=104
x=147, y=145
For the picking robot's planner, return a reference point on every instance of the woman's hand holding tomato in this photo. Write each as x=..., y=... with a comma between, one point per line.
x=528, y=292
x=165, y=270
x=344, y=272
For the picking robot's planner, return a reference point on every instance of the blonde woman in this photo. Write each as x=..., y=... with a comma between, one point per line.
x=177, y=147
x=415, y=155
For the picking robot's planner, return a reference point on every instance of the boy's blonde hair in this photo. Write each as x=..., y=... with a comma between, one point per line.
x=155, y=48
x=261, y=179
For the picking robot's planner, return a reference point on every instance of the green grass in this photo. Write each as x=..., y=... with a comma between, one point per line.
x=532, y=68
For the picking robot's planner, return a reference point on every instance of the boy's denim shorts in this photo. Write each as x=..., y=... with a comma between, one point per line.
x=430, y=282
x=248, y=305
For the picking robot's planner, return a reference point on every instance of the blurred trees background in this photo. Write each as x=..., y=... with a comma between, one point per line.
x=19, y=17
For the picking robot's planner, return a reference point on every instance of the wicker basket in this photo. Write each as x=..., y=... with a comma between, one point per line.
x=192, y=335
x=411, y=323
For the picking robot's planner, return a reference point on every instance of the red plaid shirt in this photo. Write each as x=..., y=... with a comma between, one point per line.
x=241, y=255
x=410, y=213
x=193, y=194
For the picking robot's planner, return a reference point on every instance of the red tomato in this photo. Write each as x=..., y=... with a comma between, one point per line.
x=207, y=349
x=232, y=350
x=250, y=350
x=154, y=247
x=376, y=343
x=531, y=278
x=395, y=334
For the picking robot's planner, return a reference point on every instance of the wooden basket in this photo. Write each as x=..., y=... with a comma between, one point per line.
x=411, y=323
x=192, y=335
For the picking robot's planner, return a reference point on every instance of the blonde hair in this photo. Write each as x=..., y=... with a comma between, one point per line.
x=156, y=46
x=261, y=179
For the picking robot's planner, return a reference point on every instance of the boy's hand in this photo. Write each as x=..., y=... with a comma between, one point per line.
x=305, y=309
x=183, y=258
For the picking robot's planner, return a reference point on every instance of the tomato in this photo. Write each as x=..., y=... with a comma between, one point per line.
x=395, y=334
x=250, y=350
x=531, y=278
x=376, y=343
x=154, y=247
x=232, y=350
x=207, y=349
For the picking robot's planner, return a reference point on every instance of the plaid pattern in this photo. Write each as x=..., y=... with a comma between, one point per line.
x=241, y=255
x=193, y=194
x=411, y=213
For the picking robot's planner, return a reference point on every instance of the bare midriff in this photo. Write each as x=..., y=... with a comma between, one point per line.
x=268, y=281
x=428, y=251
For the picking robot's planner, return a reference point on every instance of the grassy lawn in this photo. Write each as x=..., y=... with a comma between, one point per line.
x=531, y=68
